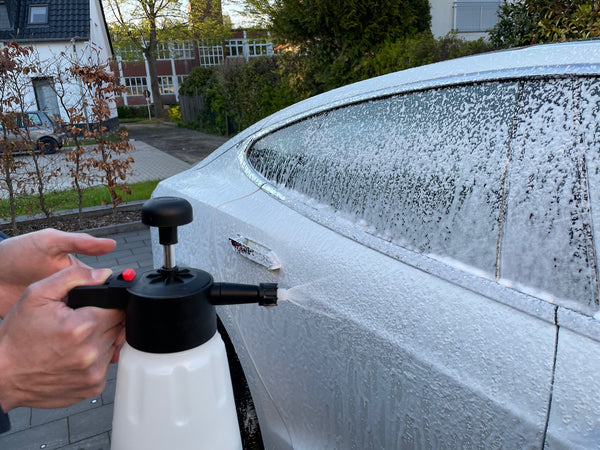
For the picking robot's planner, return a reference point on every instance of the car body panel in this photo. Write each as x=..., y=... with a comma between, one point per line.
x=380, y=346
x=410, y=355
x=575, y=414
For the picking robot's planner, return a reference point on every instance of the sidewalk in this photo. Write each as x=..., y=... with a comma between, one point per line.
x=87, y=425
x=149, y=164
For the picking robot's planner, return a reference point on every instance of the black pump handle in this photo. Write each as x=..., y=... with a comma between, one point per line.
x=167, y=213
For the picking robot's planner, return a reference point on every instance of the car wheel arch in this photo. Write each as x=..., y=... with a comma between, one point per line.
x=244, y=404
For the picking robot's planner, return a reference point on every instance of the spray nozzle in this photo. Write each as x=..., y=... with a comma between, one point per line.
x=265, y=294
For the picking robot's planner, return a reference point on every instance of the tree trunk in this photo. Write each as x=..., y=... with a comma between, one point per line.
x=151, y=53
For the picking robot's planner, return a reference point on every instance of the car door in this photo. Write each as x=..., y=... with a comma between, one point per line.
x=383, y=220
x=574, y=420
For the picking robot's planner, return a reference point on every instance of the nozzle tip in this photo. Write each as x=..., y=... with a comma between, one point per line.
x=268, y=294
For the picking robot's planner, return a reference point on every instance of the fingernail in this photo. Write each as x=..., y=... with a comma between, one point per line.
x=101, y=274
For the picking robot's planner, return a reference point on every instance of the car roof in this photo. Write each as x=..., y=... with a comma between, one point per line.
x=580, y=57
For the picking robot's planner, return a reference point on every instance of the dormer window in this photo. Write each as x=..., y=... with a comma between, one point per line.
x=4, y=21
x=38, y=15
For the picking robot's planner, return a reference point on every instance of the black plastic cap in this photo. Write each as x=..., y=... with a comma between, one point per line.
x=268, y=294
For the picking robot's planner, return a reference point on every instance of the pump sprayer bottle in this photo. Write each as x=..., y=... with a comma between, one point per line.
x=173, y=384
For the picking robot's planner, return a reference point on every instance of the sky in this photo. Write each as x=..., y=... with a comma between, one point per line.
x=229, y=8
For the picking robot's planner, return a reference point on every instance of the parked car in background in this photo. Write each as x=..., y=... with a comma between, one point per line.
x=34, y=130
x=438, y=234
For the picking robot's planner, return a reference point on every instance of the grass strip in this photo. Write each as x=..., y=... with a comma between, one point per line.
x=64, y=200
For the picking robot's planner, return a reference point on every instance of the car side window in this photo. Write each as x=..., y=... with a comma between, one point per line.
x=34, y=119
x=423, y=170
x=590, y=121
x=547, y=247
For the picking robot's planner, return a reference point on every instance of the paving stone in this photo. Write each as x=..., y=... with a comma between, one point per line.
x=40, y=416
x=100, y=442
x=136, y=237
x=47, y=437
x=129, y=259
x=90, y=423
x=112, y=371
x=20, y=419
x=108, y=395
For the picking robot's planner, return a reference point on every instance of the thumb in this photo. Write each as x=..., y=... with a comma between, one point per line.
x=57, y=286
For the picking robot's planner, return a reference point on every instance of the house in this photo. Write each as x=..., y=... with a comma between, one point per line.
x=176, y=59
x=52, y=27
x=470, y=19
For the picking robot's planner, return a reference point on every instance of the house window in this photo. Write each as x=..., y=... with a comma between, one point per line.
x=45, y=95
x=472, y=15
x=182, y=50
x=129, y=52
x=165, y=85
x=235, y=47
x=4, y=20
x=136, y=85
x=181, y=79
x=38, y=15
x=162, y=51
x=210, y=55
x=259, y=47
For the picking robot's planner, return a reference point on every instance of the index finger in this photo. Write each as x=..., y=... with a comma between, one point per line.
x=81, y=243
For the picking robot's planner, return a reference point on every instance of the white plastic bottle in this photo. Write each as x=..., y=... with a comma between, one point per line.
x=179, y=401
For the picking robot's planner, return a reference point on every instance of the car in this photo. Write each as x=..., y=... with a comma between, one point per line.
x=435, y=234
x=34, y=129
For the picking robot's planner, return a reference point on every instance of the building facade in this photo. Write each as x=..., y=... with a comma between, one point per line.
x=176, y=60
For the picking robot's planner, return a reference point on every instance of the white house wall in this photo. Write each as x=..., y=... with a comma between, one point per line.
x=96, y=50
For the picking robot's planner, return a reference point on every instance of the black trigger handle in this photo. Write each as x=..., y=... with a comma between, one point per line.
x=110, y=295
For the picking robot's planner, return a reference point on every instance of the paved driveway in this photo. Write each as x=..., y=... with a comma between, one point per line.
x=188, y=145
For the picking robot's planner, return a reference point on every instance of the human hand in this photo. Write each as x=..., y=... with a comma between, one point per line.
x=53, y=356
x=34, y=256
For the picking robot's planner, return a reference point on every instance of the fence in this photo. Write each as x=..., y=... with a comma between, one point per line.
x=190, y=107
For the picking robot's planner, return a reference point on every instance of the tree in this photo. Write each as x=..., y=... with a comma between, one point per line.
x=334, y=35
x=102, y=87
x=529, y=22
x=141, y=24
x=18, y=64
x=14, y=65
x=207, y=21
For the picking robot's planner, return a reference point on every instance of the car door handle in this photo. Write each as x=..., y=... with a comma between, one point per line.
x=256, y=252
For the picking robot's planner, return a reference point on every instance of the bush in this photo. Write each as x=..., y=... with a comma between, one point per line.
x=196, y=81
x=134, y=112
x=124, y=112
x=174, y=113
x=539, y=21
x=418, y=50
x=238, y=93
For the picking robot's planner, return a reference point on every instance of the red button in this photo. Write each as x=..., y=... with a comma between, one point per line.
x=128, y=274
